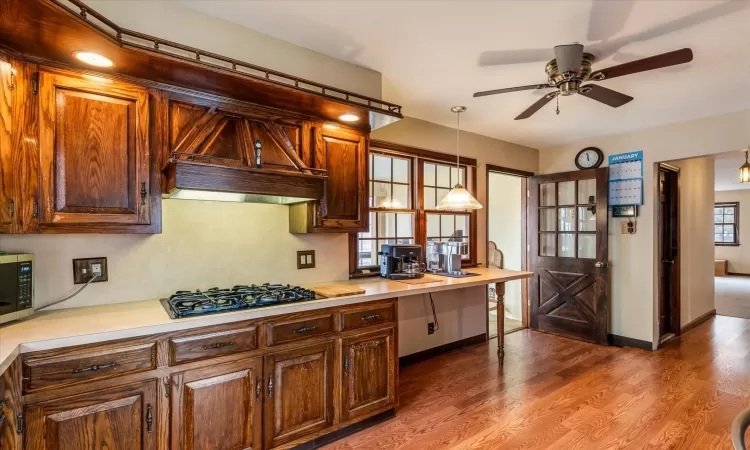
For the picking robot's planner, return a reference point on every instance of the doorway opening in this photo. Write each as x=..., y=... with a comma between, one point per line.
x=507, y=248
x=669, y=252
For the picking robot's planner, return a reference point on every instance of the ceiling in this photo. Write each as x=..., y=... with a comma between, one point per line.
x=436, y=54
x=728, y=171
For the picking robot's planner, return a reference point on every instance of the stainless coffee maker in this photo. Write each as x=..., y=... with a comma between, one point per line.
x=401, y=261
x=444, y=258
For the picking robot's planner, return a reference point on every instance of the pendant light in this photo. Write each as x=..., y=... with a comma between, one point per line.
x=458, y=199
x=745, y=170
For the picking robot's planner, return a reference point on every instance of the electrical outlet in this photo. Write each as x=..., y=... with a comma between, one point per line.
x=306, y=259
x=431, y=328
x=85, y=268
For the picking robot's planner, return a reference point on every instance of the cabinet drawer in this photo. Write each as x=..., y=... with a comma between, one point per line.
x=208, y=345
x=291, y=330
x=352, y=319
x=87, y=365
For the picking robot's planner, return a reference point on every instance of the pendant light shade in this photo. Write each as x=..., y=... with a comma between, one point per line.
x=458, y=199
x=745, y=171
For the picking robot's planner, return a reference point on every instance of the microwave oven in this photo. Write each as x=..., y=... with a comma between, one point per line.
x=16, y=286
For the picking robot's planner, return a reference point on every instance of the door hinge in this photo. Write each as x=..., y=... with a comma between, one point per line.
x=12, y=79
x=270, y=387
x=149, y=419
x=35, y=83
x=143, y=193
x=35, y=212
x=257, y=389
x=166, y=386
x=19, y=426
x=346, y=365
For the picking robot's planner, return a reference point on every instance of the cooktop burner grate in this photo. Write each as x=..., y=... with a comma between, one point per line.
x=187, y=303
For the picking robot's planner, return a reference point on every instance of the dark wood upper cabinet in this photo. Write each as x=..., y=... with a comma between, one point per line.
x=93, y=151
x=299, y=393
x=218, y=407
x=123, y=418
x=8, y=196
x=369, y=373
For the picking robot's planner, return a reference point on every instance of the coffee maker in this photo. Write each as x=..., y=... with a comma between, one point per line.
x=401, y=261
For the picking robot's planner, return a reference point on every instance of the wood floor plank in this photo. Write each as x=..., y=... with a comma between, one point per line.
x=557, y=393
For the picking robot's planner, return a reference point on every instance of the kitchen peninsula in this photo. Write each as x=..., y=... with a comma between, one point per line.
x=66, y=365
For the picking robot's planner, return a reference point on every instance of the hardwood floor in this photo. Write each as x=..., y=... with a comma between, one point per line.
x=556, y=393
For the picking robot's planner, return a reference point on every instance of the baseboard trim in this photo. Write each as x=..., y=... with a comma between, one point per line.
x=414, y=358
x=738, y=274
x=624, y=341
x=698, y=321
x=346, y=431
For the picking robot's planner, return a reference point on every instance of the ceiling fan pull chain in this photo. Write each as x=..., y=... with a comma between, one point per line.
x=558, y=105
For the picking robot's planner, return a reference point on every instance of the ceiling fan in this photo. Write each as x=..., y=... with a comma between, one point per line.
x=570, y=73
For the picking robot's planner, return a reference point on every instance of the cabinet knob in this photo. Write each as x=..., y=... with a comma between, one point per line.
x=144, y=193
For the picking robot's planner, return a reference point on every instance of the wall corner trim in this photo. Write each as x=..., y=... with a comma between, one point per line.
x=624, y=341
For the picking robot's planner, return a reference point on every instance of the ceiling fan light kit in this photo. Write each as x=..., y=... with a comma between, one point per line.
x=458, y=199
x=571, y=68
x=745, y=169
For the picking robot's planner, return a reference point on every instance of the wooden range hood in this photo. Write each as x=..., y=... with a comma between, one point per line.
x=50, y=31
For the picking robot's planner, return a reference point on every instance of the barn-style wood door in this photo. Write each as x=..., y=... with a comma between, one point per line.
x=569, y=255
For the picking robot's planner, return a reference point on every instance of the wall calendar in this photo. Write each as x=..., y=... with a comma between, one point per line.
x=626, y=179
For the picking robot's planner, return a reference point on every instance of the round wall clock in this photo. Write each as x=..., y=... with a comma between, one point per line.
x=589, y=158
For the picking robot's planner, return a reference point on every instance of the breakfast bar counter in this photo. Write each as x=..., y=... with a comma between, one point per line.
x=88, y=325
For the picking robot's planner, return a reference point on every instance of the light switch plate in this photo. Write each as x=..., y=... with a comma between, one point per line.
x=83, y=270
x=306, y=259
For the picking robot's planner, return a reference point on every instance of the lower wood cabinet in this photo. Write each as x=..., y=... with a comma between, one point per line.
x=122, y=418
x=217, y=407
x=299, y=393
x=369, y=373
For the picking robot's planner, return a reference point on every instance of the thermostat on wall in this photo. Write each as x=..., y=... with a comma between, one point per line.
x=625, y=211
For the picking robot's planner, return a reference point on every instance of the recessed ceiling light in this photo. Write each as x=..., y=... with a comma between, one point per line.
x=330, y=126
x=348, y=118
x=94, y=59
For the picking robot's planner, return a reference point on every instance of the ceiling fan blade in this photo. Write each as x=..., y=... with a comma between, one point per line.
x=607, y=96
x=607, y=19
x=503, y=57
x=674, y=58
x=537, y=106
x=513, y=89
x=569, y=57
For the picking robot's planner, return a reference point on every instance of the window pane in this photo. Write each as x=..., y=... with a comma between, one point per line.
x=433, y=225
x=368, y=233
x=455, y=178
x=547, y=219
x=728, y=218
x=566, y=194
x=586, y=219
x=441, y=193
x=547, y=244
x=728, y=233
x=405, y=224
x=381, y=168
x=587, y=246
x=718, y=233
x=719, y=218
x=429, y=198
x=586, y=192
x=443, y=176
x=400, y=197
x=400, y=170
x=566, y=245
x=447, y=225
x=367, y=255
x=429, y=174
x=729, y=211
x=567, y=219
x=381, y=195
x=372, y=164
x=462, y=225
x=547, y=194
x=386, y=225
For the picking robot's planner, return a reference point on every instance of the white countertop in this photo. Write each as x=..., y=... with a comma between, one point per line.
x=75, y=326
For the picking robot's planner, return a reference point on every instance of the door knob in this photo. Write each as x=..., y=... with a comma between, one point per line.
x=599, y=265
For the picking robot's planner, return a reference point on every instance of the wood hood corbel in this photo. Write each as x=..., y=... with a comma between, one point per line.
x=71, y=25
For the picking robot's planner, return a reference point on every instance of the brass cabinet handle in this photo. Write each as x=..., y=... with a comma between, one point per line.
x=346, y=365
x=370, y=317
x=149, y=419
x=35, y=213
x=144, y=193
x=305, y=329
x=257, y=389
x=270, y=387
x=217, y=345
x=95, y=368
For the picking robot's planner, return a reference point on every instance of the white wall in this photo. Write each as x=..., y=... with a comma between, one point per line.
x=738, y=257
x=462, y=314
x=633, y=287
x=696, y=205
x=504, y=213
x=203, y=245
x=169, y=20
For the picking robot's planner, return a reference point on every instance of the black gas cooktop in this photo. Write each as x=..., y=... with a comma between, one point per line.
x=188, y=304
